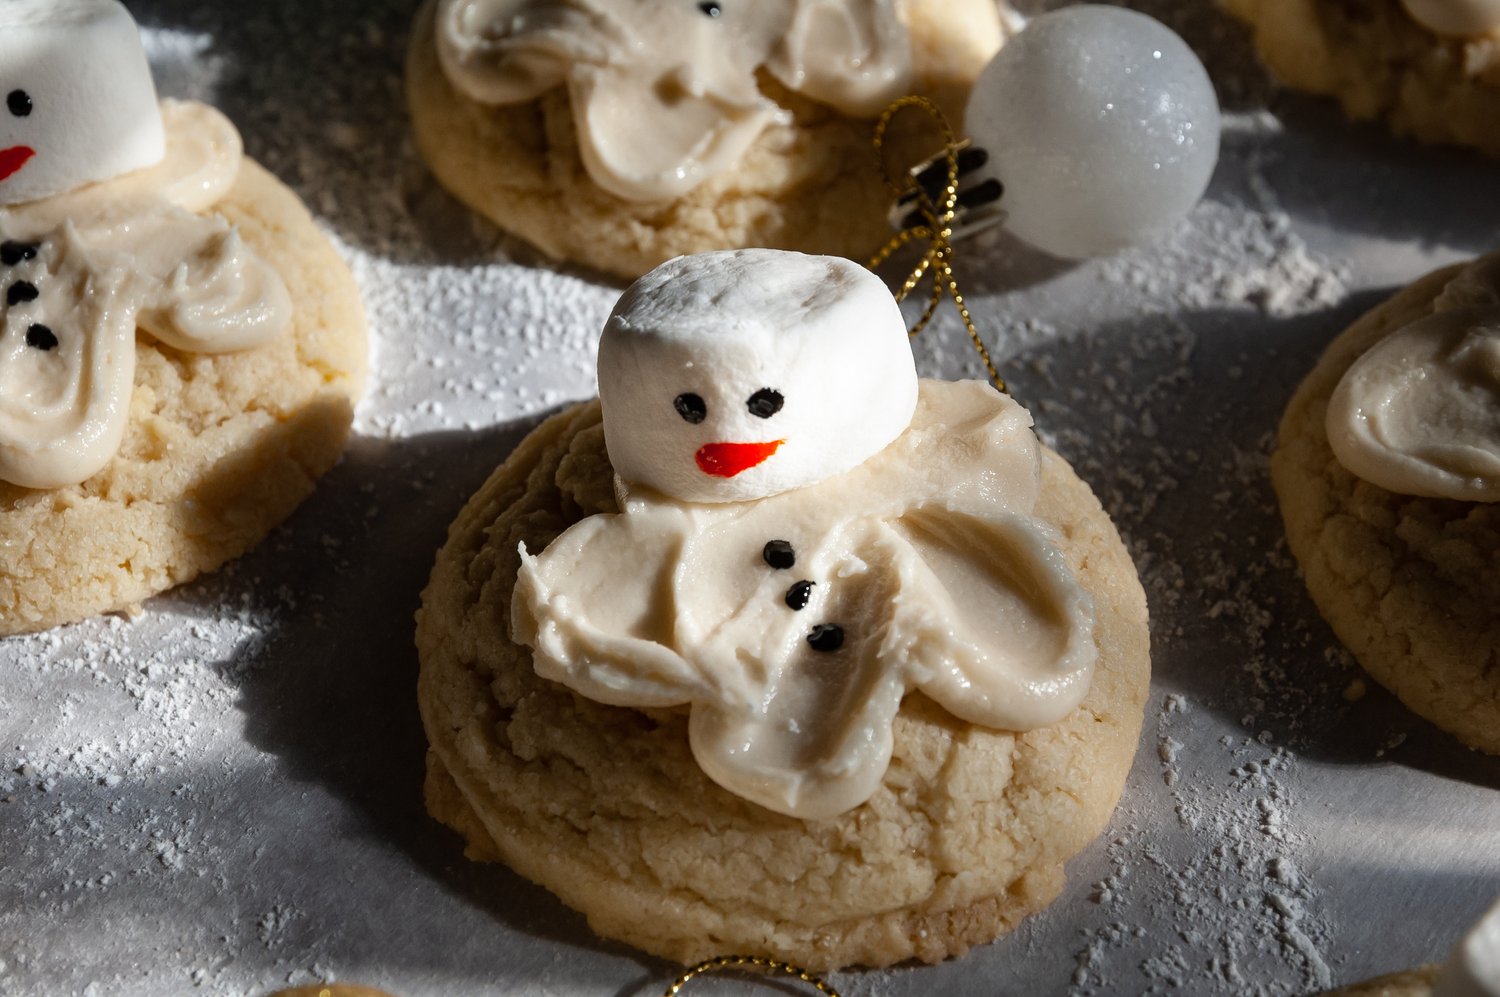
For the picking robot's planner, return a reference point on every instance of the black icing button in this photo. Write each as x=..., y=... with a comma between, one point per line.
x=19, y=102
x=12, y=253
x=40, y=337
x=798, y=595
x=779, y=554
x=826, y=637
x=21, y=291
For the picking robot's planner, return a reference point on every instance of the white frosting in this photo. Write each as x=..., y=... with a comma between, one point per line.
x=663, y=91
x=1474, y=969
x=927, y=557
x=1419, y=412
x=823, y=334
x=77, y=104
x=1456, y=17
x=905, y=551
x=97, y=264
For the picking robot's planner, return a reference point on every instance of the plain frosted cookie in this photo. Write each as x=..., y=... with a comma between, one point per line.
x=1431, y=68
x=704, y=125
x=1407, y=571
x=852, y=715
x=181, y=348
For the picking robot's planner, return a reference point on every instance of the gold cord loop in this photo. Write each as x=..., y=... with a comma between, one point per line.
x=756, y=963
x=936, y=229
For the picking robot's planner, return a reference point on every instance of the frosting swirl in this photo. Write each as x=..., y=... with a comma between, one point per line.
x=664, y=92
x=795, y=624
x=84, y=270
x=1419, y=412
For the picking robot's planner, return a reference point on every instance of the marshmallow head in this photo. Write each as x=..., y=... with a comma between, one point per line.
x=77, y=104
x=737, y=375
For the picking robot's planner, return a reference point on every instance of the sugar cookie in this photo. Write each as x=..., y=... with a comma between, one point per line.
x=724, y=754
x=1410, y=583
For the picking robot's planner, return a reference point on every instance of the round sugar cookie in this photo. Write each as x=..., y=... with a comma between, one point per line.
x=219, y=449
x=1410, y=585
x=1382, y=63
x=606, y=807
x=807, y=183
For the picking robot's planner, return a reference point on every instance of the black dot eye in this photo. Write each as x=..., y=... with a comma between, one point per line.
x=690, y=407
x=19, y=102
x=765, y=403
x=711, y=9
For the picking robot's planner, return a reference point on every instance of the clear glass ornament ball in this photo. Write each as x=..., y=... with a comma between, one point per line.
x=1102, y=125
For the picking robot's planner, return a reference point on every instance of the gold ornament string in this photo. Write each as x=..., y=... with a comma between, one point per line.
x=771, y=967
x=936, y=228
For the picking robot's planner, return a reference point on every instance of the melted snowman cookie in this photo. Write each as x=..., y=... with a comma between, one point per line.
x=163, y=400
x=664, y=92
x=711, y=744
x=620, y=136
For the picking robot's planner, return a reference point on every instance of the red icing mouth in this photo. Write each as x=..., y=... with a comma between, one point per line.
x=14, y=158
x=725, y=460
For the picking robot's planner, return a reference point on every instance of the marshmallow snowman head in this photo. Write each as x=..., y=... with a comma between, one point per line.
x=737, y=375
x=77, y=104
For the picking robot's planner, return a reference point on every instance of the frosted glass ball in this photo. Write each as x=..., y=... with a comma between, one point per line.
x=1102, y=125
